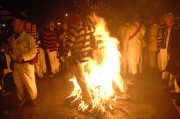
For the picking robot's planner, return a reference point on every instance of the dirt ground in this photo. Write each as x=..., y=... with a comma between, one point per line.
x=148, y=101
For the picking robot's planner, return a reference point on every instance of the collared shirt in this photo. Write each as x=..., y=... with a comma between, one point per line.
x=24, y=45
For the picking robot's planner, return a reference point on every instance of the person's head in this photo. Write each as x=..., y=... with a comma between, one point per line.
x=136, y=18
x=162, y=20
x=33, y=27
x=169, y=19
x=27, y=26
x=18, y=25
x=150, y=20
x=51, y=26
x=65, y=26
x=74, y=19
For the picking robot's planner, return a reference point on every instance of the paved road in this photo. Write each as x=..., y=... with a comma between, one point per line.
x=149, y=101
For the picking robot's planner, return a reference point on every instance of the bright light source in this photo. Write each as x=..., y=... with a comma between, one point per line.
x=3, y=25
x=66, y=15
x=58, y=23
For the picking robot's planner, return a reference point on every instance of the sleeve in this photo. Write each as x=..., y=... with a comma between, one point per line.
x=32, y=50
x=70, y=40
x=37, y=36
x=126, y=40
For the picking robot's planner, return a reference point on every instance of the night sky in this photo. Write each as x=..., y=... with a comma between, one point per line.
x=56, y=9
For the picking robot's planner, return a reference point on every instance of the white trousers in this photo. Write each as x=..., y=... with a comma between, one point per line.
x=164, y=61
x=124, y=63
x=159, y=61
x=135, y=68
x=24, y=79
x=79, y=73
x=177, y=88
x=152, y=59
x=40, y=67
x=54, y=62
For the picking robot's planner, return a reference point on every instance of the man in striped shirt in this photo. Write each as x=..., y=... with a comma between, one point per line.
x=40, y=66
x=78, y=43
x=51, y=47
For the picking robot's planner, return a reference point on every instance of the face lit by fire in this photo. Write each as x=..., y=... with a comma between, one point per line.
x=33, y=29
x=51, y=26
x=27, y=26
x=169, y=20
x=65, y=26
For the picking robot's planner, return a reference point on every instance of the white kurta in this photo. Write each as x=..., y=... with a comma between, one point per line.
x=133, y=47
x=121, y=36
x=23, y=73
x=164, y=57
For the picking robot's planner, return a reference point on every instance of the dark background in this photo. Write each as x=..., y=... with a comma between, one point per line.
x=56, y=9
x=116, y=10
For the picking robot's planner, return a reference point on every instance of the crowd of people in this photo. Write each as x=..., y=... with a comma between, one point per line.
x=151, y=47
x=29, y=53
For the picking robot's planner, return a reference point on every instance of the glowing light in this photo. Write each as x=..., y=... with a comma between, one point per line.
x=102, y=70
x=66, y=14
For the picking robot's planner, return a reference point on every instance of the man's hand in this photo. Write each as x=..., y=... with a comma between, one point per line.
x=57, y=44
x=47, y=50
x=38, y=42
x=64, y=59
x=19, y=58
x=168, y=56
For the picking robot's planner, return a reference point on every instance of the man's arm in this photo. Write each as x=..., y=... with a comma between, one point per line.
x=70, y=40
x=32, y=50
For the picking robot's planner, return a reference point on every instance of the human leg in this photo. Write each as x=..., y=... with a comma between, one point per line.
x=78, y=71
x=42, y=60
x=52, y=62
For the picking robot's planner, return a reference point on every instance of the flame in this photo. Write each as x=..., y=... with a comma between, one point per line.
x=102, y=70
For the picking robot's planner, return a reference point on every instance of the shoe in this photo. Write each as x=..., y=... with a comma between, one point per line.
x=126, y=95
x=34, y=102
x=21, y=103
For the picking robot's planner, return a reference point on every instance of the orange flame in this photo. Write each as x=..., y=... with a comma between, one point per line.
x=103, y=69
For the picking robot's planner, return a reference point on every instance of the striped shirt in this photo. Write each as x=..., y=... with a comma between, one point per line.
x=50, y=40
x=78, y=42
x=35, y=35
x=160, y=36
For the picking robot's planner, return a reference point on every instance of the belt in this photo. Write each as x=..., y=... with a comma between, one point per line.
x=21, y=61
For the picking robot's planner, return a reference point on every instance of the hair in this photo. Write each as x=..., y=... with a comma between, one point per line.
x=169, y=15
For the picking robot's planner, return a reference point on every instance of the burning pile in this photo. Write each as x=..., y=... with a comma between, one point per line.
x=101, y=72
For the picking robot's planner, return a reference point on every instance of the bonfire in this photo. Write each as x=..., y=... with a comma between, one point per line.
x=102, y=71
